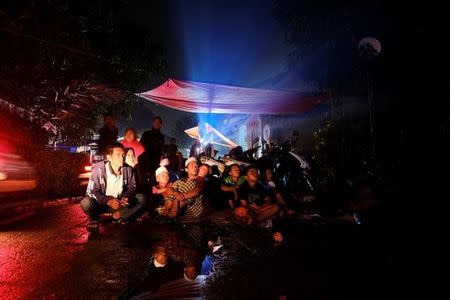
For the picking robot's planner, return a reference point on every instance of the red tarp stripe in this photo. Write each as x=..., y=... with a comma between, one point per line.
x=201, y=97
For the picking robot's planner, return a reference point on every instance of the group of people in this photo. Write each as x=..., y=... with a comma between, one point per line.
x=139, y=176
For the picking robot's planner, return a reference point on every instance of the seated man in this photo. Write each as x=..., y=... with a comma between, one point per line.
x=185, y=196
x=270, y=185
x=209, y=185
x=231, y=184
x=255, y=197
x=112, y=188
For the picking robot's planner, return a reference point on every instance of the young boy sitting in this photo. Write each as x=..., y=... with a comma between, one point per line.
x=231, y=184
x=162, y=179
x=254, y=196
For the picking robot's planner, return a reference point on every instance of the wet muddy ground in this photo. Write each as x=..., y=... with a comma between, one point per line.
x=52, y=256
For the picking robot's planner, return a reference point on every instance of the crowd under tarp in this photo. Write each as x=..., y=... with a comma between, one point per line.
x=198, y=97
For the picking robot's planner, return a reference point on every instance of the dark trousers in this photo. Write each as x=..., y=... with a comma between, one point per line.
x=93, y=209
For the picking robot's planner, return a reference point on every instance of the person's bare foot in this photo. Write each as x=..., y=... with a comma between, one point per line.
x=166, y=212
x=174, y=209
x=116, y=215
x=173, y=214
x=93, y=225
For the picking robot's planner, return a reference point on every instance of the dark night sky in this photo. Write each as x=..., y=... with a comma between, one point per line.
x=232, y=42
x=240, y=43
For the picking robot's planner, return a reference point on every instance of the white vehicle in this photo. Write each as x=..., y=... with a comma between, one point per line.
x=15, y=174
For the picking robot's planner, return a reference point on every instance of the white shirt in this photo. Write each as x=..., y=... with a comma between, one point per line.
x=114, y=183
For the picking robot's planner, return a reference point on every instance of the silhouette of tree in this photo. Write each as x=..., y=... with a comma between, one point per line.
x=64, y=63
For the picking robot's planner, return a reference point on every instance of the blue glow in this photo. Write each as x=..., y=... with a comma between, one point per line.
x=233, y=43
x=212, y=119
x=226, y=124
x=220, y=43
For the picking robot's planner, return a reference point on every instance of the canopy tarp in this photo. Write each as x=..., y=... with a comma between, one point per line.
x=198, y=97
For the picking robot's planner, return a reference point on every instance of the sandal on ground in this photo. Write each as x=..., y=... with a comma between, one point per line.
x=120, y=221
x=143, y=217
x=92, y=225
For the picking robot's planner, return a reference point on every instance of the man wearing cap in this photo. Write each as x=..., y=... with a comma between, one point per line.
x=185, y=194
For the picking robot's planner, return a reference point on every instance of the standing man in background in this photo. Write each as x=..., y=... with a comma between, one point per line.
x=175, y=156
x=108, y=133
x=153, y=142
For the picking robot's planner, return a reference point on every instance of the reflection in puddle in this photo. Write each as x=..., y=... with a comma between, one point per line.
x=181, y=261
x=205, y=261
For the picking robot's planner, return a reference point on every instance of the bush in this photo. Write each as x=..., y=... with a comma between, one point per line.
x=58, y=172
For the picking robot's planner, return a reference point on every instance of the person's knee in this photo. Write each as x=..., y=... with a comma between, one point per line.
x=275, y=208
x=87, y=203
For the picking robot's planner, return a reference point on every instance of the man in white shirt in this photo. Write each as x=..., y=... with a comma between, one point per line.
x=112, y=187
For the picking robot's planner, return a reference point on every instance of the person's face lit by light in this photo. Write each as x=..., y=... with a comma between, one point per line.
x=130, y=136
x=253, y=175
x=163, y=178
x=203, y=171
x=192, y=168
x=235, y=171
x=116, y=157
x=130, y=158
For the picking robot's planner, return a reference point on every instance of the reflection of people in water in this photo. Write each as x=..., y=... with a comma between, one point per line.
x=182, y=288
x=160, y=270
x=174, y=267
x=215, y=251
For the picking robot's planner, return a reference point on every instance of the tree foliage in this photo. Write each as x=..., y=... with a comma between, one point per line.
x=323, y=37
x=66, y=62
